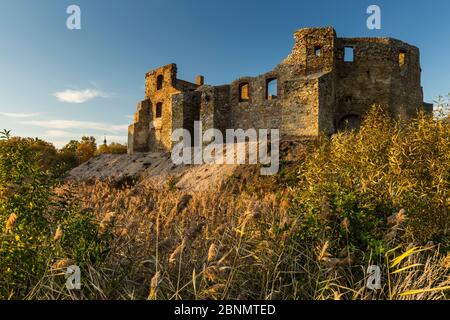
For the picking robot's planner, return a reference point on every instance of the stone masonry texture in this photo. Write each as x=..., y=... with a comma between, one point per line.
x=326, y=84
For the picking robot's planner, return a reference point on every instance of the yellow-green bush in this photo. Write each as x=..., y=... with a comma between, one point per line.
x=37, y=228
x=113, y=148
x=351, y=183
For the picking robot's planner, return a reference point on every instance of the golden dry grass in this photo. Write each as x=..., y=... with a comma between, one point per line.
x=377, y=197
x=221, y=245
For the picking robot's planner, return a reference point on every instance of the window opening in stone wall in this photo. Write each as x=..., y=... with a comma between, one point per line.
x=349, y=54
x=402, y=59
x=318, y=51
x=159, y=110
x=159, y=82
x=244, y=92
x=271, y=88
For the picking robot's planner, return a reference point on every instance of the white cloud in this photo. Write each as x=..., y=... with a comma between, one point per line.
x=79, y=96
x=19, y=114
x=73, y=124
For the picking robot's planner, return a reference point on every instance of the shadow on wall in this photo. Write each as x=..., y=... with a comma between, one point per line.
x=349, y=122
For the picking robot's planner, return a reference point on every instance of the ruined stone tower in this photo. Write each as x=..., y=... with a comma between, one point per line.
x=324, y=85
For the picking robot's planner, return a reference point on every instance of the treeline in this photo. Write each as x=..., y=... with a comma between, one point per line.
x=55, y=161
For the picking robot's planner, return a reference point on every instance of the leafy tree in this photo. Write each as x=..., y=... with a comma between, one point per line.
x=67, y=160
x=46, y=154
x=52, y=162
x=117, y=148
x=102, y=149
x=71, y=146
x=86, y=148
x=114, y=148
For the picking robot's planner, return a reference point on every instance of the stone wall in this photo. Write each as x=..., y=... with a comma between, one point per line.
x=186, y=110
x=300, y=109
x=258, y=111
x=319, y=90
x=313, y=52
x=375, y=77
x=139, y=131
x=153, y=131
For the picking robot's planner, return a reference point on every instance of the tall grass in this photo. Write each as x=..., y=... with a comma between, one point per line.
x=380, y=196
x=237, y=247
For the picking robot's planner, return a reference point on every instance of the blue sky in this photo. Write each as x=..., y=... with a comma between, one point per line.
x=45, y=68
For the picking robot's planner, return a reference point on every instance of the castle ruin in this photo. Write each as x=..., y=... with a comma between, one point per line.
x=324, y=85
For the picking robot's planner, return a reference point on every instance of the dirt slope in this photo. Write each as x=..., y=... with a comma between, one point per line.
x=155, y=168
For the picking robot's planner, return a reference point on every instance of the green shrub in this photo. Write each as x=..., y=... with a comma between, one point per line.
x=29, y=215
x=113, y=148
x=351, y=183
